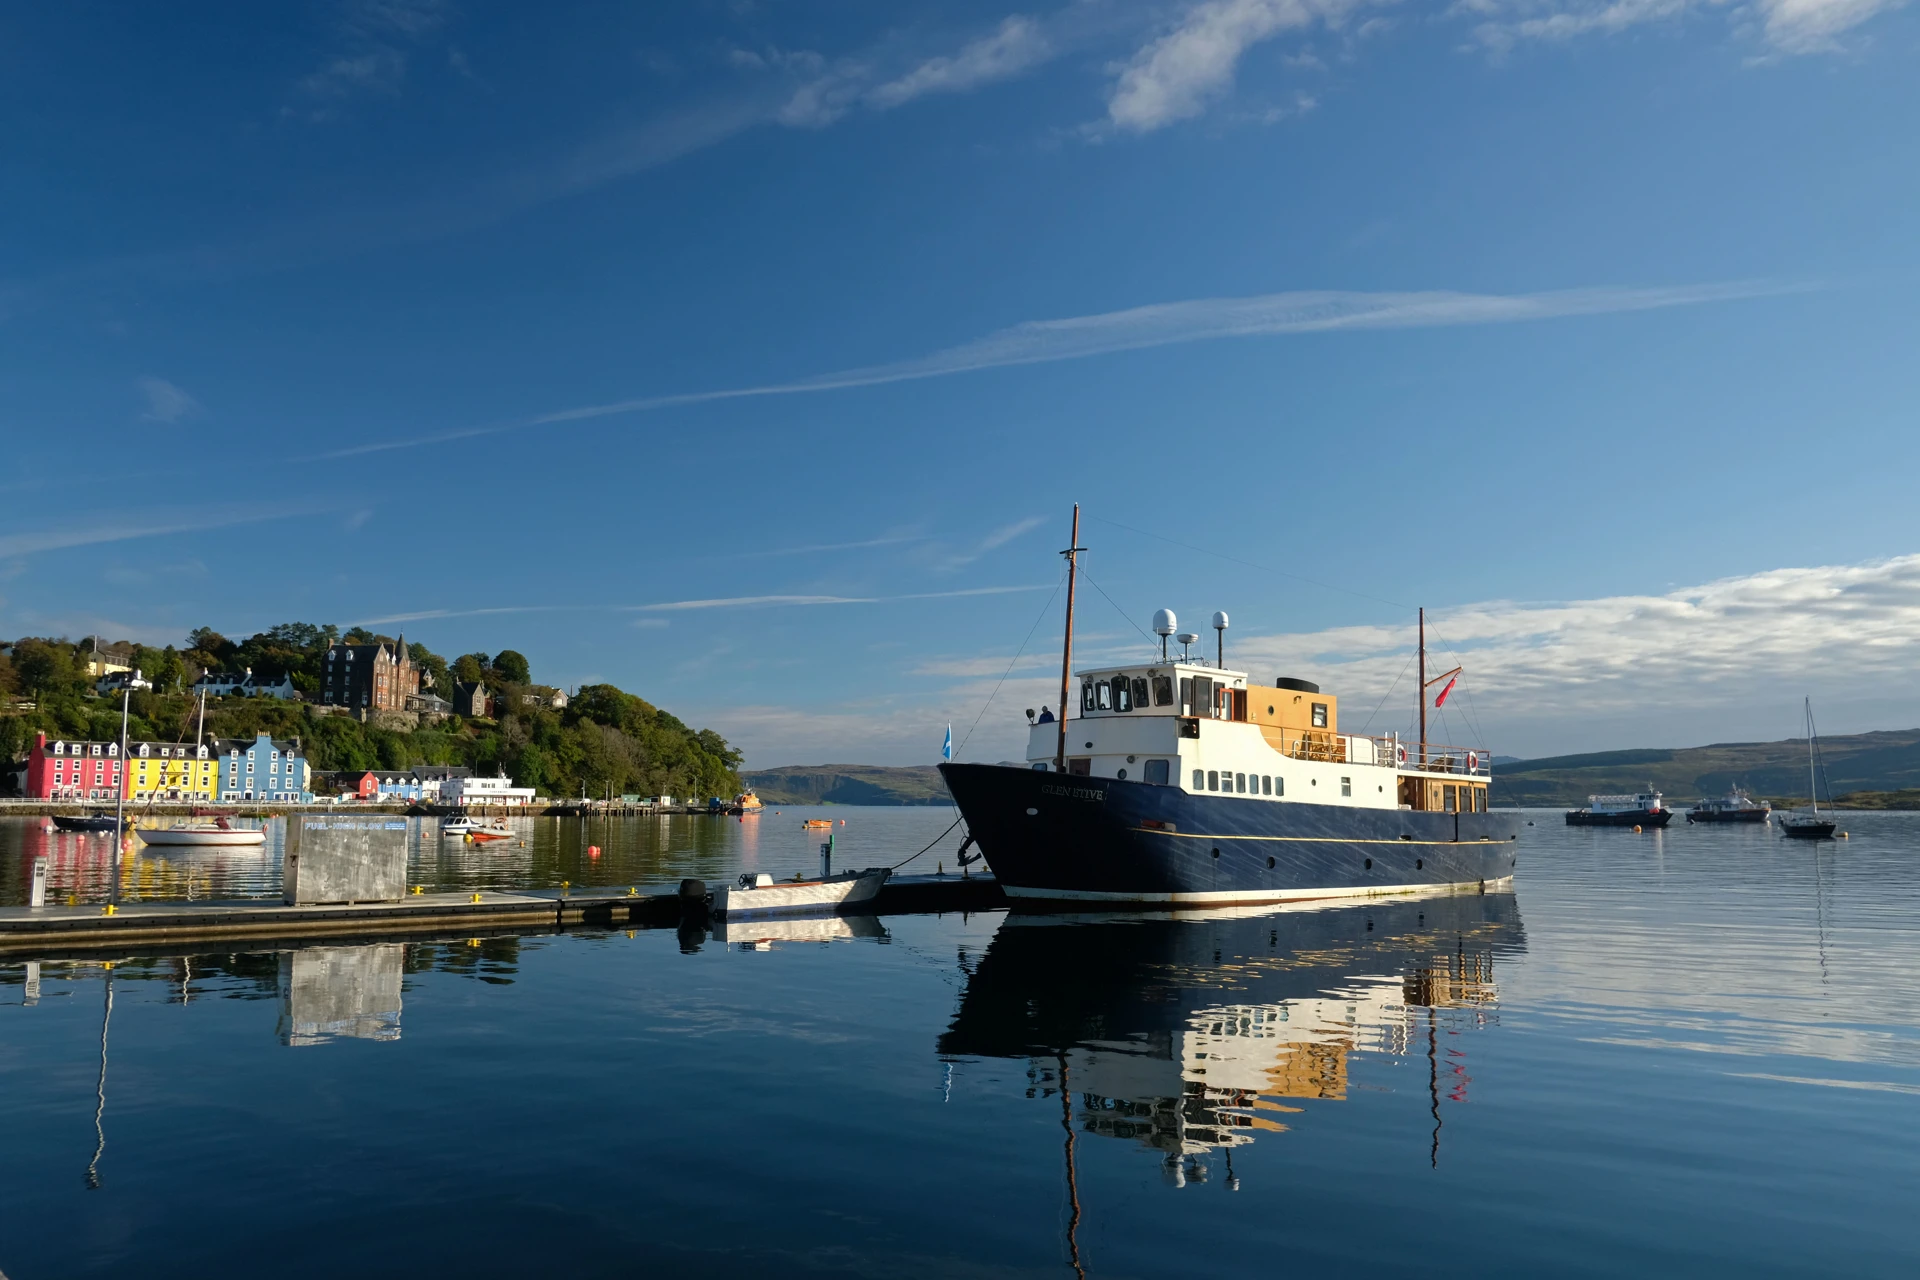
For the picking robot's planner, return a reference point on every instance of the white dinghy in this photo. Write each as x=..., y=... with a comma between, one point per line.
x=757, y=893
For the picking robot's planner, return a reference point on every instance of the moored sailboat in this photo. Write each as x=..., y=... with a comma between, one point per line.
x=1812, y=824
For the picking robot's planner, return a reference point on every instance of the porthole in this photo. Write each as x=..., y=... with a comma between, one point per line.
x=1123, y=772
x=1419, y=864
x=1314, y=782
x=1369, y=864
x=1269, y=710
x=1033, y=813
x=1216, y=853
x=1269, y=860
x=1129, y=761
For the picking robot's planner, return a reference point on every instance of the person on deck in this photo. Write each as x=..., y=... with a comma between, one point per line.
x=1046, y=717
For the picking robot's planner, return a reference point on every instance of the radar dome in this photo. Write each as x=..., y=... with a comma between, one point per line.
x=1219, y=622
x=1187, y=637
x=1164, y=623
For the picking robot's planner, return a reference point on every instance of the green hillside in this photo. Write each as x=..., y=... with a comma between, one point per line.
x=847, y=784
x=1866, y=762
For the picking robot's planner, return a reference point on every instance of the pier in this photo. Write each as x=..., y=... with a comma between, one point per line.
x=90, y=928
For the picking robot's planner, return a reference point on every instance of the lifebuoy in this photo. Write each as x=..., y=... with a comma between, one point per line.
x=1473, y=761
x=1403, y=755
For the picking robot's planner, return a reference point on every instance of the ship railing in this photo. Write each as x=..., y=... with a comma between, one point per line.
x=1392, y=750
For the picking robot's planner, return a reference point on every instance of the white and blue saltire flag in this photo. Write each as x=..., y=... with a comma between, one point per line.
x=946, y=748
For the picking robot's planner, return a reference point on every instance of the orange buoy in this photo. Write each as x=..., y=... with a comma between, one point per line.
x=1636, y=829
x=593, y=851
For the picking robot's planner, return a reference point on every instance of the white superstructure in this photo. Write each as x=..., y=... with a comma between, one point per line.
x=1208, y=729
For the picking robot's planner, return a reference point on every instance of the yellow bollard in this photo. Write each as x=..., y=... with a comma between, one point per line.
x=419, y=889
x=474, y=898
x=633, y=893
x=108, y=910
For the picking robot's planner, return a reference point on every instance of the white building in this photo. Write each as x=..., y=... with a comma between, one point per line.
x=226, y=684
x=471, y=791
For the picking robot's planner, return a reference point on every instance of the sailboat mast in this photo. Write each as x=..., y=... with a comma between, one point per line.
x=1812, y=789
x=1423, y=688
x=1072, y=553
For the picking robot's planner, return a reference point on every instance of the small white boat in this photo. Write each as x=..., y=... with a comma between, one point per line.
x=458, y=826
x=217, y=834
x=758, y=893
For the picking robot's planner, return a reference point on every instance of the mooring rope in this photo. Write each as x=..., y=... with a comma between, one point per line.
x=936, y=840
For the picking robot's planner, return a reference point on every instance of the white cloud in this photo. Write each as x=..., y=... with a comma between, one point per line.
x=1018, y=44
x=378, y=70
x=1787, y=26
x=165, y=402
x=1177, y=75
x=1727, y=660
x=1164, y=324
x=86, y=530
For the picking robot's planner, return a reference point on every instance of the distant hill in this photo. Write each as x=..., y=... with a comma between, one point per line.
x=847, y=784
x=1865, y=762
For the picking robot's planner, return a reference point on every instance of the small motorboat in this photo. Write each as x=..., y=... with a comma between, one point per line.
x=757, y=893
x=817, y=824
x=458, y=827
x=1735, y=806
x=216, y=834
x=747, y=802
x=91, y=822
x=480, y=835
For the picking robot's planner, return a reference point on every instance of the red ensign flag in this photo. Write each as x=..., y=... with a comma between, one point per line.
x=1442, y=699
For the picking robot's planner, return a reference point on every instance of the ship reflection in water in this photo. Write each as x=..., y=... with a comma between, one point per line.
x=1195, y=1034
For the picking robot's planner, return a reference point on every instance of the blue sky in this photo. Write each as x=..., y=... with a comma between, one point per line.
x=559, y=328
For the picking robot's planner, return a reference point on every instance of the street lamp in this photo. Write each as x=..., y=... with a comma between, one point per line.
x=126, y=780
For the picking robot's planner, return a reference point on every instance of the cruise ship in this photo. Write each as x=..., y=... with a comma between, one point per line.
x=1181, y=782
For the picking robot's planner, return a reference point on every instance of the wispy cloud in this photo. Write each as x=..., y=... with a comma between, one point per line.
x=1786, y=27
x=165, y=402
x=1017, y=45
x=998, y=538
x=1178, y=74
x=1166, y=324
x=748, y=602
x=91, y=529
x=861, y=545
x=772, y=600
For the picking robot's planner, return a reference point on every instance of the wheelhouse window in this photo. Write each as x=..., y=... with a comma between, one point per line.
x=1103, y=696
x=1140, y=691
x=1122, y=694
x=1186, y=695
x=1163, y=691
x=1319, y=715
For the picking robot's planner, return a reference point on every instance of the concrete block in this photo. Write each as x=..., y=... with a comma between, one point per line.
x=345, y=859
x=331, y=992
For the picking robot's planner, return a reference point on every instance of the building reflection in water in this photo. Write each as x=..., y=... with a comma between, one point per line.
x=1193, y=1036
x=329, y=993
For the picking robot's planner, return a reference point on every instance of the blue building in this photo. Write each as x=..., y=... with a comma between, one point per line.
x=264, y=769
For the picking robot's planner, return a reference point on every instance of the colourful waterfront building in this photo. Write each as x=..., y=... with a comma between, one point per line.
x=263, y=768
x=64, y=770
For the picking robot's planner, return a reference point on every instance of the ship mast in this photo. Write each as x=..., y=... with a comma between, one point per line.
x=1423, y=688
x=1072, y=553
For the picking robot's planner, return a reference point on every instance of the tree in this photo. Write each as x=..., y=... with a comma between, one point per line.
x=359, y=635
x=470, y=668
x=46, y=666
x=512, y=667
x=433, y=669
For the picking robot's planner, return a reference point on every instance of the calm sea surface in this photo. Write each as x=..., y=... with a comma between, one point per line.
x=1690, y=1052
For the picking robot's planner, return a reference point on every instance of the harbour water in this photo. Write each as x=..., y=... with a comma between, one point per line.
x=1681, y=1052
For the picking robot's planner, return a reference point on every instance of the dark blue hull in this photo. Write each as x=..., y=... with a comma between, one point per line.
x=1049, y=836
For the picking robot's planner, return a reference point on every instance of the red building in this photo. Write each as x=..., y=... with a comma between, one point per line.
x=73, y=770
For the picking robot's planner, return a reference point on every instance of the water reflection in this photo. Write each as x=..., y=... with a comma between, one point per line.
x=1195, y=1036
x=330, y=993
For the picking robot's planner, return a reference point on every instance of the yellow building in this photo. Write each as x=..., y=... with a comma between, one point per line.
x=171, y=771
